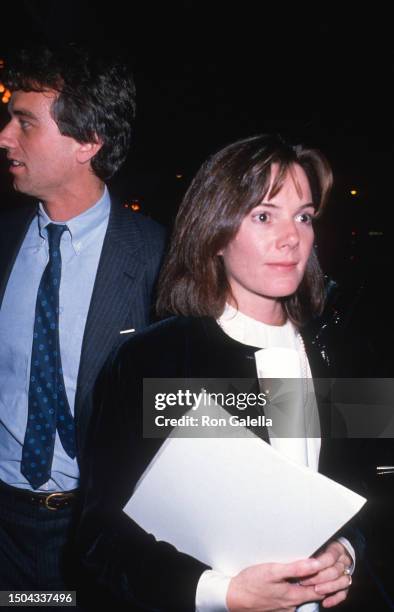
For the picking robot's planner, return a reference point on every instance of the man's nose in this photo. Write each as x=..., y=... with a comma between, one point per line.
x=7, y=139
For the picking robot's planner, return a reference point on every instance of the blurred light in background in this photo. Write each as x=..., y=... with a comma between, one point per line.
x=3, y=90
x=134, y=205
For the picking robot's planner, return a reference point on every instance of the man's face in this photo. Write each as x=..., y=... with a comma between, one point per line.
x=43, y=162
x=266, y=259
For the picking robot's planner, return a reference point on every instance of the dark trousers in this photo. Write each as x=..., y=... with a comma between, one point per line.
x=36, y=544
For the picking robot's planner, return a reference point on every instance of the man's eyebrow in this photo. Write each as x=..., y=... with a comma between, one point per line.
x=21, y=112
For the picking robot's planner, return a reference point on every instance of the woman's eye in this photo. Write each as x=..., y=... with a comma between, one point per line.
x=305, y=217
x=262, y=217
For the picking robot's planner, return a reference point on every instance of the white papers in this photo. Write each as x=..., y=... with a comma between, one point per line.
x=233, y=502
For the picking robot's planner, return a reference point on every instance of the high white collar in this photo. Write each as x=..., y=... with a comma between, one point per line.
x=246, y=330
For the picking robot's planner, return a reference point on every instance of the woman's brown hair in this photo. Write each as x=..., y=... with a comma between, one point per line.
x=225, y=189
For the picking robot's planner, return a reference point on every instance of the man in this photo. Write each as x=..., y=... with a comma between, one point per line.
x=76, y=276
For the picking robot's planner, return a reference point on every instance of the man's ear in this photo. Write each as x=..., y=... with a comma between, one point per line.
x=87, y=150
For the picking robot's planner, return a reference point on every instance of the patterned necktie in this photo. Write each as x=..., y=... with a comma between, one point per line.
x=48, y=404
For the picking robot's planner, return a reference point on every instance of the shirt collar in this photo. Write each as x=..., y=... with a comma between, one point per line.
x=79, y=227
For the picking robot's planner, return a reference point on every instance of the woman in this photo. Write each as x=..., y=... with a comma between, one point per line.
x=241, y=275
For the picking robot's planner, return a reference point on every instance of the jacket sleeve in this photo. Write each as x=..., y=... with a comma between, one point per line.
x=118, y=553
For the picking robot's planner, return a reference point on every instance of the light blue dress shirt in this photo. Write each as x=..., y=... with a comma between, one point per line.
x=80, y=250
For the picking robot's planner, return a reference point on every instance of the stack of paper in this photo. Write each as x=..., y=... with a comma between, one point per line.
x=232, y=503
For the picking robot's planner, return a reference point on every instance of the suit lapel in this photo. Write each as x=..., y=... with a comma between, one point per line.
x=15, y=226
x=118, y=275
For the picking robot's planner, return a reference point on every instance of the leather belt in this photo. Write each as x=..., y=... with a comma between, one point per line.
x=52, y=501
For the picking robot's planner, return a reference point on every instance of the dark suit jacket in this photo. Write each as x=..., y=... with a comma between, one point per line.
x=122, y=294
x=148, y=574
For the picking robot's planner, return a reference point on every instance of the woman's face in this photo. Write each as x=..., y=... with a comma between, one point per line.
x=266, y=259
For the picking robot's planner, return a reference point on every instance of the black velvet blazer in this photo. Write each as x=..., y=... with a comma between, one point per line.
x=121, y=556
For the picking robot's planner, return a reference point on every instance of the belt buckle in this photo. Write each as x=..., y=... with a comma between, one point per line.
x=53, y=496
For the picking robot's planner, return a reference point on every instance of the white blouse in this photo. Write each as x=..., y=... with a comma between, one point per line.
x=282, y=355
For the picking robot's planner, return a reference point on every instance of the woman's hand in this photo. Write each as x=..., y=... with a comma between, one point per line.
x=271, y=586
x=330, y=581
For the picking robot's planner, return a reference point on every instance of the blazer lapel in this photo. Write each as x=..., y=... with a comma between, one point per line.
x=322, y=376
x=223, y=354
x=13, y=232
x=229, y=360
x=118, y=276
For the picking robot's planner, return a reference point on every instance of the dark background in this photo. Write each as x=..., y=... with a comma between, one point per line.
x=208, y=73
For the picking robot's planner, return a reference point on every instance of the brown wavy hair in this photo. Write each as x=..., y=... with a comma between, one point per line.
x=225, y=189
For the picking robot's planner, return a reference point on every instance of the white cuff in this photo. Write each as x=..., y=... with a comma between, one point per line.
x=351, y=551
x=212, y=592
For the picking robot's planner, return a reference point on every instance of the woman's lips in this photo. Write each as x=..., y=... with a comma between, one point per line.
x=287, y=264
